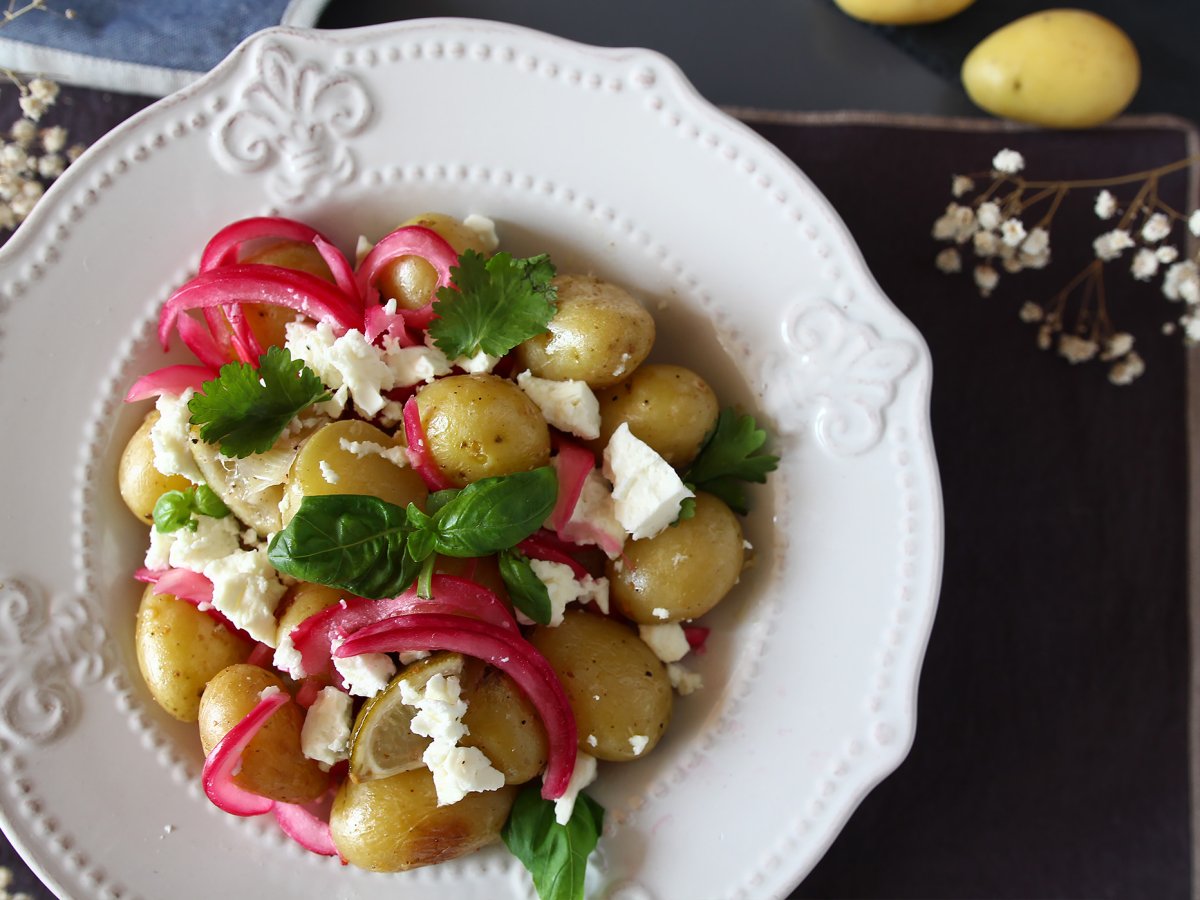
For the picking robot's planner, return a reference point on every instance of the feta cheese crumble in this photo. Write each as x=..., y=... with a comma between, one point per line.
x=683, y=679
x=583, y=775
x=364, y=675
x=638, y=744
x=567, y=405
x=246, y=589
x=647, y=492
x=396, y=455
x=484, y=229
x=171, y=437
x=563, y=588
x=660, y=612
x=328, y=472
x=668, y=641
x=288, y=659
x=594, y=519
x=325, y=735
x=456, y=770
x=183, y=548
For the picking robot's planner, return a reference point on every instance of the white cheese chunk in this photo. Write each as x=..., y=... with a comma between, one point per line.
x=394, y=454
x=583, y=775
x=362, y=247
x=456, y=770
x=660, y=612
x=170, y=437
x=213, y=539
x=484, y=229
x=683, y=679
x=594, y=519
x=668, y=642
x=364, y=675
x=413, y=365
x=328, y=472
x=567, y=405
x=325, y=735
x=347, y=363
x=563, y=588
x=638, y=744
x=477, y=364
x=288, y=659
x=647, y=492
x=247, y=591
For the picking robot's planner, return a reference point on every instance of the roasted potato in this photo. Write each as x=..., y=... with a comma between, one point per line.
x=138, y=481
x=505, y=727
x=669, y=407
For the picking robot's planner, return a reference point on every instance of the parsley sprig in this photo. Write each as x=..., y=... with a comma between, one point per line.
x=245, y=409
x=728, y=460
x=499, y=302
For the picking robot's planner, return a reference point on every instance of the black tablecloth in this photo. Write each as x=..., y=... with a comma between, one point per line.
x=1051, y=757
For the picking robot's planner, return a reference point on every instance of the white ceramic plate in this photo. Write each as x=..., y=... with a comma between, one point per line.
x=609, y=160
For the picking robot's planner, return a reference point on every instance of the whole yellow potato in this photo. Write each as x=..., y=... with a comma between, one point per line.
x=480, y=426
x=272, y=763
x=902, y=12
x=138, y=481
x=267, y=321
x=669, y=407
x=505, y=727
x=685, y=570
x=394, y=823
x=302, y=601
x=179, y=649
x=617, y=688
x=1062, y=68
x=409, y=279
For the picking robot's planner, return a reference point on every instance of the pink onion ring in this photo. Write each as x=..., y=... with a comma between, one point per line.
x=418, y=449
x=226, y=757
x=411, y=240
x=536, y=546
x=200, y=341
x=309, y=831
x=222, y=248
x=170, y=380
x=573, y=464
x=343, y=275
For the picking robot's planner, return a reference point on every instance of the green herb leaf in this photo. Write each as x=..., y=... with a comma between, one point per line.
x=175, y=509
x=438, y=499
x=494, y=514
x=356, y=543
x=555, y=855
x=245, y=409
x=500, y=302
x=730, y=458
x=527, y=592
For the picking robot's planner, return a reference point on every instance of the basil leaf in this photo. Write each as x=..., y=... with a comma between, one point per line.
x=356, y=543
x=527, y=592
x=438, y=499
x=495, y=513
x=555, y=855
x=207, y=503
x=172, y=511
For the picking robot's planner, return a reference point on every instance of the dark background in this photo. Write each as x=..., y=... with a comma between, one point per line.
x=1051, y=757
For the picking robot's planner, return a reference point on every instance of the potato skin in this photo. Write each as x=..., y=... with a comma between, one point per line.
x=669, y=407
x=902, y=12
x=138, y=481
x=599, y=334
x=304, y=600
x=371, y=474
x=480, y=426
x=394, y=823
x=615, y=684
x=272, y=764
x=411, y=280
x=505, y=727
x=686, y=569
x=179, y=649
x=1062, y=68
x=270, y=322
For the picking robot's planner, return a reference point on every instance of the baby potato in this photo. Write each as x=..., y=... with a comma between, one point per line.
x=394, y=823
x=272, y=764
x=685, y=569
x=138, y=481
x=345, y=472
x=902, y=12
x=179, y=649
x=478, y=426
x=617, y=688
x=599, y=334
x=411, y=280
x=267, y=321
x=505, y=727
x=1062, y=68
x=669, y=407
x=304, y=600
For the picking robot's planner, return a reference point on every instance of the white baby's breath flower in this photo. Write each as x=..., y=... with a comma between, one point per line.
x=1182, y=282
x=1157, y=227
x=1075, y=349
x=1035, y=260
x=50, y=166
x=1009, y=162
x=33, y=107
x=43, y=89
x=1169, y=328
x=988, y=216
x=1127, y=370
x=23, y=132
x=1012, y=263
x=1166, y=254
x=75, y=151
x=8, y=218
x=1117, y=346
x=960, y=185
x=1145, y=264
x=1110, y=244
x=1045, y=337
x=1030, y=312
x=54, y=140
x=1106, y=205
x=1191, y=328
x=985, y=243
x=1012, y=232
x=13, y=158
x=949, y=261
x=1194, y=223
x=986, y=279
x=1037, y=243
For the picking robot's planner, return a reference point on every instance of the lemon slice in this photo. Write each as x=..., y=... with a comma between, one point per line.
x=382, y=742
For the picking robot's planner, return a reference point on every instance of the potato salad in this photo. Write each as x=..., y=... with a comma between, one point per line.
x=431, y=541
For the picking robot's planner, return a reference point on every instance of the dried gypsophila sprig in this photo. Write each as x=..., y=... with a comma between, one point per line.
x=993, y=224
x=33, y=157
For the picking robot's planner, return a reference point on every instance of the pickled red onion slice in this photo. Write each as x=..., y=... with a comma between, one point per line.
x=540, y=546
x=306, y=294
x=697, y=636
x=226, y=758
x=418, y=449
x=222, y=248
x=450, y=595
x=308, y=830
x=343, y=275
x=189, y=586
x=200, y=341
x=509, y=653
x=169, y=380
x=573, y=464
x=411, y=240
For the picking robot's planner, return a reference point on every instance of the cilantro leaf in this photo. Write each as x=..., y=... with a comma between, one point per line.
x=500, y=302
x=730, y=458
x=246, y=409
x=174, y=509
x=555, y=855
